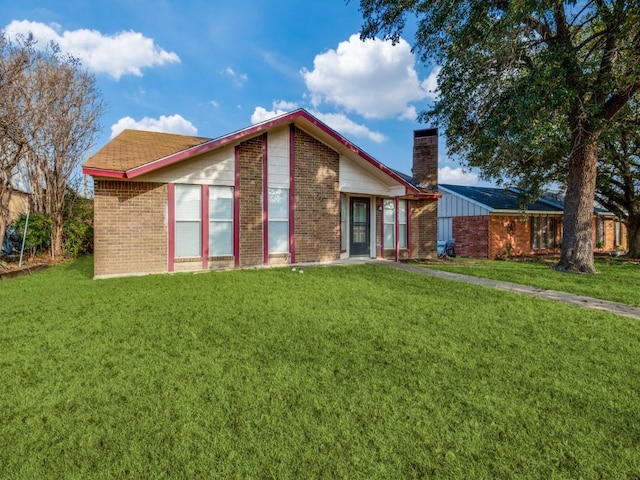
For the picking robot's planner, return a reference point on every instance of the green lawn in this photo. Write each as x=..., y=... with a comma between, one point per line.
x=616, y=280
x=342, y=372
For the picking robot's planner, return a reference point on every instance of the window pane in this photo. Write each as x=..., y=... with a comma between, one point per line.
x=389, y=235
x=403, y=236
x=220, y=238
x=278, y=236
x=187, y=239
x=278, y=204
x=534, y=233
x=389, y=211
x=188, y=202
x=402, y=211
x=220, y=203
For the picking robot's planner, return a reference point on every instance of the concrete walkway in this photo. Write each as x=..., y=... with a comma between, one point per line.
x=587, y=302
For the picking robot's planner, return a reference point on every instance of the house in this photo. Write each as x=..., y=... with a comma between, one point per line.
x=285, y=191
x=490, y=223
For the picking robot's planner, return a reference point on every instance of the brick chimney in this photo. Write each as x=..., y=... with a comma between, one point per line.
x=425, y=157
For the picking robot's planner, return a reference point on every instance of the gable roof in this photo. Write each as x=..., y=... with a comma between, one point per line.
x=499, y=199
x=134, y=153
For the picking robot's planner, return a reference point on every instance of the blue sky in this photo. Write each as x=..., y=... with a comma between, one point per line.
x=208, y=68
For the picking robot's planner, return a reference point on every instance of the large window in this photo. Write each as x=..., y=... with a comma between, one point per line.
x=617, y=234
x=278, y=220
x=188, y=220
x=389, y=221
x=344, y=222
x=220, y=221
x=545, y=233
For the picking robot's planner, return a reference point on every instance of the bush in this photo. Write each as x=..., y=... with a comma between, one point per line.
x=78, y=227
x=38, y=238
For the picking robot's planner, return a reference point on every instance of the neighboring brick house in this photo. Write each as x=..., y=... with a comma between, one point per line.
x=285, y=191
x=490, y=223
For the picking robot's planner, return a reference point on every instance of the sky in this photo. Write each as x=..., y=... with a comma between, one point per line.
x=209, y=68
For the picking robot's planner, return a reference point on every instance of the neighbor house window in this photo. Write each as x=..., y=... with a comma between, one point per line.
x=278, y=220
x=389, y=221
x=545, y=232
x=220, y=221
x=343, y=222
x=617, y=233
x=188, y=221
x=600, y=232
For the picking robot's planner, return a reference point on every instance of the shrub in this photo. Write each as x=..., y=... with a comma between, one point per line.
x=38, y=238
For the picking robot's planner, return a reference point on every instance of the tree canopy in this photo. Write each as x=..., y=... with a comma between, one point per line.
x=526, y=89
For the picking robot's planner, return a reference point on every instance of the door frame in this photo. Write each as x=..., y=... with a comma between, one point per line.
x=369, y=202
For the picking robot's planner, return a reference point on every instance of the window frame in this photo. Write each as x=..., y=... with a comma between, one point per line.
x=217, y=221
x=272, y=220
x=187, y=221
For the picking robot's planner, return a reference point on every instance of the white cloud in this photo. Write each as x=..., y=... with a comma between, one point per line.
x=280, y=107
x=167, y=124
x=214, y=104
x=338, y=121
x=430, y=84
x=124, y=53
x=372, y=78
x=238, y=78
x=343, y=125
x=456, y=176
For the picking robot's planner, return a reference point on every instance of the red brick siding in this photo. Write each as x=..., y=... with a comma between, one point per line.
x=250, y=158
x=471, y=236
x=130, y=227
x=317, y=197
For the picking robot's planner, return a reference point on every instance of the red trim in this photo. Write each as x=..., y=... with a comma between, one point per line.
x=205, y=226
x=171, y=208
x=236, y=209
x=265, y=199
x=397, y=227
x=99, y=172
x=292, y=192
x=408, y=209
x=381, y=227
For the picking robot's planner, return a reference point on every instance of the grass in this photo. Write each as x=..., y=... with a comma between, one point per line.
x=343, y=372
x=616, y=280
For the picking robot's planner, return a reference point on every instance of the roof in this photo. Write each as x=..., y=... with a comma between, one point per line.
x=134, y=152
x=133, y=148
x=500, y=199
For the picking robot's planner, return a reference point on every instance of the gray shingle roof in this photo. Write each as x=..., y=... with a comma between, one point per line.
x=501, y=198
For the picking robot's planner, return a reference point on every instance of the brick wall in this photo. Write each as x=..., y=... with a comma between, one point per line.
x=424, y=228
x=471, y=236
x=317, y=197
x=251, y=252
x=130, y=228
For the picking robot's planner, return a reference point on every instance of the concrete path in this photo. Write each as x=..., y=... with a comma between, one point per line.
x=587, y=302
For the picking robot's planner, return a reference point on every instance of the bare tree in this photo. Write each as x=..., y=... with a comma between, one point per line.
x=68, y=107
x=15, y=59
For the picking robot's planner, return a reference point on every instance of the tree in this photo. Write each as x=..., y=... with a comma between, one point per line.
x=14, y=60
x=49, y=116
x=618, y=185
x=71, y=109
x=526, y=89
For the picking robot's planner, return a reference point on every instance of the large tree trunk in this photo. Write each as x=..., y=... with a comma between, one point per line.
x=4, y=213
x=633, y=236
x=577, y=239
